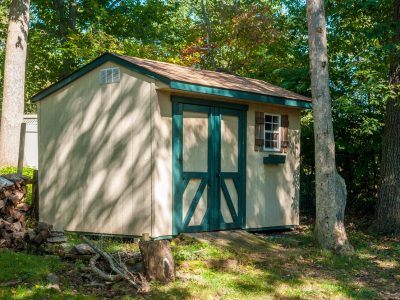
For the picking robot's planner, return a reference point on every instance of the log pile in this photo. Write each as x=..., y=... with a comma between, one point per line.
x=13, y=211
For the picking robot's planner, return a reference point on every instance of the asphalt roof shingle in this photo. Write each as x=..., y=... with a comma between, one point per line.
x=212, y=79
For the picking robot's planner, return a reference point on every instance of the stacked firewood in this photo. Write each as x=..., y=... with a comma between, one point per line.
x=13, y=211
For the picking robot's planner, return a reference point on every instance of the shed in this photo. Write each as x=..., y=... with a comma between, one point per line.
x=130, y=146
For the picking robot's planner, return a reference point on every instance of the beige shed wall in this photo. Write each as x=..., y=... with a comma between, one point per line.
x=272, y=191
x=95, y=155
x=272, y=197
x=162, y=172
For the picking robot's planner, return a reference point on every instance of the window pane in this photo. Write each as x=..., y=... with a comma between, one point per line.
x=275, y=143
x=276, y=119
x=276, y=127
x=268, y=126
x=268, y=118
x=267, y=144
x=268, y=136
x=276, y=135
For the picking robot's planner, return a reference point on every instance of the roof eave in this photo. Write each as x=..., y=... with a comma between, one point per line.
x=177, y=85
x=183, y=86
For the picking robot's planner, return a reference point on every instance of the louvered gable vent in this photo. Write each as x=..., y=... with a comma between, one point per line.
x=110, y=75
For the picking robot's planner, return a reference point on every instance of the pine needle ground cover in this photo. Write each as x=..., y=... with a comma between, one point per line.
x=288, y=266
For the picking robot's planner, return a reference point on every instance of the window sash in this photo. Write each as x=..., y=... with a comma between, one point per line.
x=271, y=132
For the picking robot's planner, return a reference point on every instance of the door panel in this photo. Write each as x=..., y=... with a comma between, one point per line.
x=195, y=141
x=232, y=168
x=208, y=158
x=229, y=143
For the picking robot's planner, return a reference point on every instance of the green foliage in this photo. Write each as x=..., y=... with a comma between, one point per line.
x=261, y=39
x=24, y=266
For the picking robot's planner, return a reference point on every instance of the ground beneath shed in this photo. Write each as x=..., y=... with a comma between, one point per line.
x=228, y=265
x=235, y=240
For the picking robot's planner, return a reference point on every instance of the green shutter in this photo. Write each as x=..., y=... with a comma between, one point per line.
x=259, y=131
x=284, y=133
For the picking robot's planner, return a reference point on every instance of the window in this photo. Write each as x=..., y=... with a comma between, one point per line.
x=110, y=75
x=272, y=129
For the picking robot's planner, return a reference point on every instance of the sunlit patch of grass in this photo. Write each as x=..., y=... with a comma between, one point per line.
x=39, y=292
x=32, y=271
x=202, y=282
x=119, y=245
x=27, y=267
x=185, y=249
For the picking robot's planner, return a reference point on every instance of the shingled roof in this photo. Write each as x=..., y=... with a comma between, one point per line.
x=213, y=79
x=192, y=79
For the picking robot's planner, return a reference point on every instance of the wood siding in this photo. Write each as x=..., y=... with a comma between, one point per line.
x=95, y=155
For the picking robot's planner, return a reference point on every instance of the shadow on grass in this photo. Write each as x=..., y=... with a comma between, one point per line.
x=174, y=293
x=294, y=267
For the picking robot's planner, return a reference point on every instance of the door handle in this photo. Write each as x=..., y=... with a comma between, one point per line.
x=218, y=175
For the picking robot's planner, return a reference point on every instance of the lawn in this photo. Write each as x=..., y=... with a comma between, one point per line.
x=283, y=266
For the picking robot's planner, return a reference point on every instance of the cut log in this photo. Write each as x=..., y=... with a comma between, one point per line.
x=56, y=239
x=158, y=260
x=4, y=182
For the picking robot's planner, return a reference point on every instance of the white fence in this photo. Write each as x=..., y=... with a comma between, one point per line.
x=31, y=141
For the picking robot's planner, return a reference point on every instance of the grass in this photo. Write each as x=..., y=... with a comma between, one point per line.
x=285, y=267
x=31, y=270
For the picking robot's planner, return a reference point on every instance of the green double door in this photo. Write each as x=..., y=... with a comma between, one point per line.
x=208, y=166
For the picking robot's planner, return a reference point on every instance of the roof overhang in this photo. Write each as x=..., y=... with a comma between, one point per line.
x=175, y=85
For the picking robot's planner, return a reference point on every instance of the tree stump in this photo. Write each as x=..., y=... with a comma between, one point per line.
x=158, y=260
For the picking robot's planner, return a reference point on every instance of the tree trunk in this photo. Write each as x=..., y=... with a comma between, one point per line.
x=14, y=82
x=67, y=18
x=158, y=260
x=330, y=186
x=388, y=209
x=208, y=33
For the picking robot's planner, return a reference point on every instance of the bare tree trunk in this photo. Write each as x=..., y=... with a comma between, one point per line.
x=73, y=8
x=14, y=82
x=67, y=17
x=208, y=33
x=330, y=186
x=388, y=209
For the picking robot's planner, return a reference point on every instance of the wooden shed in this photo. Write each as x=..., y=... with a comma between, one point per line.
x=130, y=146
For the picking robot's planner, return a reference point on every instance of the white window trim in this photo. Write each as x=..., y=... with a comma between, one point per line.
x=269, y=131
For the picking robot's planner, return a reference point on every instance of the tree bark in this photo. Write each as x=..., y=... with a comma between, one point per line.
x=388, y=209
x=14, y=82
x=330, y=186
x=158, y=260
x=208, y=33
x=67, y=19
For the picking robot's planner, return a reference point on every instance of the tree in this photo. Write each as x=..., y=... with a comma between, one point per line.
x=208, y=33
x=330, y=186
x=14, y=81
x=388, y=209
